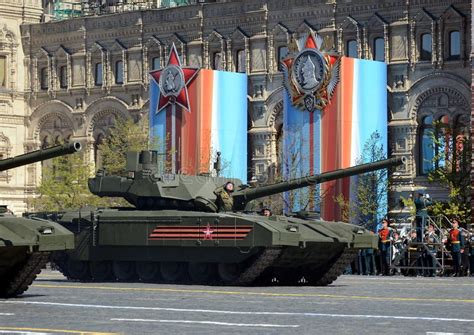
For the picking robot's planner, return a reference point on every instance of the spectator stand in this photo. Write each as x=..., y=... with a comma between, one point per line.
x=414, y=255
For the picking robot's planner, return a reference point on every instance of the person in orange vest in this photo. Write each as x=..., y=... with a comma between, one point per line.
x=385, y=237
x=456, y=240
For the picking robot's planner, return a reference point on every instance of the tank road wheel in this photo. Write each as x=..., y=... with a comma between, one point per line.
x=202, y=273
x=78, y=270
x=124, y=271
x=148, y=271
x=173, y=272
x=229, y=273
x=101, y=271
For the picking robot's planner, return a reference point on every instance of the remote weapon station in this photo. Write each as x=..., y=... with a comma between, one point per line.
x=25, y=244
x=177, y=234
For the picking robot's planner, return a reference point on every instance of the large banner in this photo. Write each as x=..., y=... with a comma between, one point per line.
x=332, y=107
x=209, y=116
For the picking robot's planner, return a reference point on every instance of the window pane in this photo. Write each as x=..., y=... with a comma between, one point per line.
x=155, y=63
x=3, y=71
x=241, y=61
x=425, y=47
x=282, y=53
x=98, y=74
x=217, y=61
x=63, y=77
x=427, y=151
x=454, y=45
x=351, y=49
x=428, y=120
x=44, y=78
x=379, y=49
x=119, y=72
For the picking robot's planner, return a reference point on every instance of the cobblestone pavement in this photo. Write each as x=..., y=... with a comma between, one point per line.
x=352, y=305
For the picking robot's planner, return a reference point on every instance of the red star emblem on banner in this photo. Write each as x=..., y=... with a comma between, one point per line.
x=208, y=232
x=173, y=81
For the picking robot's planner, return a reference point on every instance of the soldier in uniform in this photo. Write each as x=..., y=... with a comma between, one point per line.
x=471, y=250
x=456, y=240
x=224, y=200
x=429, y=255
x=421, y=203
x=266, y=212
x=385, y=236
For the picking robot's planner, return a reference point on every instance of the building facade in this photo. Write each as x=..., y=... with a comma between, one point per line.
x=13, y=106
x=84, y=72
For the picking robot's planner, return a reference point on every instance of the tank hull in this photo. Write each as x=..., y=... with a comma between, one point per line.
x=25, y=247
x=222, y=248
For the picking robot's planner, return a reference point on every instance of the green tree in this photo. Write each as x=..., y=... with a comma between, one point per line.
x=371, y=188
x=126, y=135
x=64, y=182
x=64, y=185
x=451, y=170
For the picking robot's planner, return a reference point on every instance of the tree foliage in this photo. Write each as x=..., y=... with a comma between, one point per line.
x=451, y=170
x=371, y=188
x=64, y=182
x=64, y=185
x=126, y=135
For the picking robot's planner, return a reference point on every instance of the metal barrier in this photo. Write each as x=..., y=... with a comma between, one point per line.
x=413, y=253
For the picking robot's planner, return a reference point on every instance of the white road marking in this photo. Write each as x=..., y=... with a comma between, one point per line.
x=7, y=314
x=21, y=332
x=212, y=323
x=214, y=311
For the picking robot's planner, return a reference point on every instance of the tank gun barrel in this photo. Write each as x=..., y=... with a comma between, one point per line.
x=39, y=155
x=241, y=198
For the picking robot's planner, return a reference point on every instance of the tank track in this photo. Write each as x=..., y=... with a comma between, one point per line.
x=59, y=259
x=337, y=268
x=25, y=275
x=263, y=262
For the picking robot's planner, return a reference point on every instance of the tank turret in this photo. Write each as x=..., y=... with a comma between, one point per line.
x=39, y=155
x=146, y=188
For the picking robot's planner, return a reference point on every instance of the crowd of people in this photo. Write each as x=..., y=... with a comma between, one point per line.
x=423, y=249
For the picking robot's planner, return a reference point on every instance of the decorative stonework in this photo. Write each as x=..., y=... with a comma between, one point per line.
x=259, y=29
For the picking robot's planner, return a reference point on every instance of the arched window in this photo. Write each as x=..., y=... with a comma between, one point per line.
x=46, y=142
x=425, y=47
x=436, y=143
x=241, y=61
x=351, y=49
x=282, y=53
x=119, y=72
x=454, y=45
x=217, y=61
x=379, y=49
x=3, y=71
x=427, y=146
x=97, y=154
x=461, y=154
x=155, y=63
x=98, y=74
x=44, y=78
x=63, y=76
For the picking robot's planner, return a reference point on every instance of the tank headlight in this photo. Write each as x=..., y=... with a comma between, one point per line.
x=292, y=229
x=360, y=231
x=46, y=230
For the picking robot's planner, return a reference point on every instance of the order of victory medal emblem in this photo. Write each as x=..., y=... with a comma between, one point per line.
x=308, y=71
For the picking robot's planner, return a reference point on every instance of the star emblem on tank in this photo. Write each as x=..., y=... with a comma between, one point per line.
x=311, y=76
x=174, y=81
x=208, y=232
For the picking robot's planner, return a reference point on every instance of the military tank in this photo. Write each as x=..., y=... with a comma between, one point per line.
x=26, y=244
x=175, y=233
